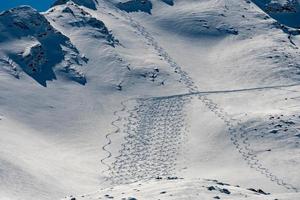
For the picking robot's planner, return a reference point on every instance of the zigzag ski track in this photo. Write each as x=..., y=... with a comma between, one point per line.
x=154, y=131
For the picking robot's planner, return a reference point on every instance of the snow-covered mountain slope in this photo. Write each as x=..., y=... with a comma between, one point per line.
x=192, y=89
x=30, y=44
x=221, y=38
x=181, y=189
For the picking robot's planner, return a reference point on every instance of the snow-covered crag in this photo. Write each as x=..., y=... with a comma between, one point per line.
x=92, y=4
x=285, y=11
x=150, y=99
x=32, y=45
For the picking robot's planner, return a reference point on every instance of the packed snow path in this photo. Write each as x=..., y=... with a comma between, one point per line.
x=150, y=150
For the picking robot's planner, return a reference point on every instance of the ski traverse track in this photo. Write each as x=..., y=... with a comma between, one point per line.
x=156, y=127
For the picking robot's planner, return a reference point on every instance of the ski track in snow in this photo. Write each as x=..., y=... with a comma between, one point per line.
x=107, y=136
x=155, y=129
x=153, y=139
x=240, y=141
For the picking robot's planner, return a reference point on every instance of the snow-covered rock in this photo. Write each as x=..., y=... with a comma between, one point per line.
x=92, y=4
x=36, y=47
x=286, y=12
x=285, y=6
x=71, y=16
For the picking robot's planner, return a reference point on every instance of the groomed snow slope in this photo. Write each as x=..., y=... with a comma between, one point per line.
x=187, y=89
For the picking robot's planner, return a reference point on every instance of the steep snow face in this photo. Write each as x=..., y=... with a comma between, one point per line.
x=92, y=4
x=222, y=38
x=136, y=63
x=30, y=44
x=286, y=12
x=213, y=20
x=72, y=18
x=51, y=137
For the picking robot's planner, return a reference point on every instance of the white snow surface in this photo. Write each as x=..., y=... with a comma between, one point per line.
x=160, y=99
